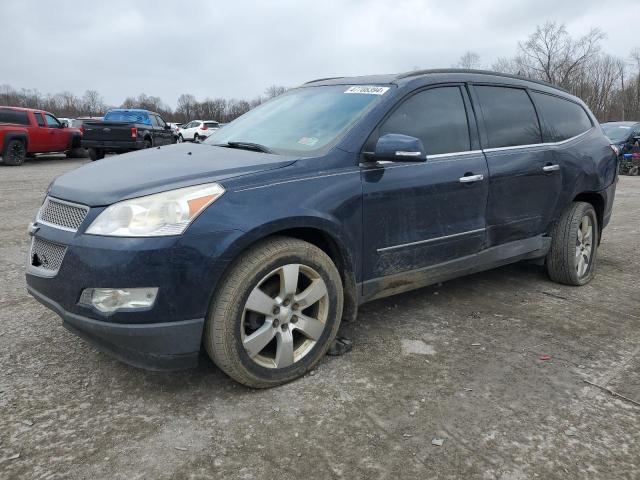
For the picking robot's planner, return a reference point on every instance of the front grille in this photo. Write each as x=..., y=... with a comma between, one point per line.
x=61, y=214
x=46, y=255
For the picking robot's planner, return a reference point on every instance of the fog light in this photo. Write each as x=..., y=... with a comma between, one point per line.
x=109, y=300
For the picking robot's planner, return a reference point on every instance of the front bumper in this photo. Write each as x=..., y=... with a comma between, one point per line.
x=153, y=346
x=185, y=270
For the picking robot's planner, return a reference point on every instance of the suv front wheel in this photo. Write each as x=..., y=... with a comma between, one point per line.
x=275, y=314
x=574, y=245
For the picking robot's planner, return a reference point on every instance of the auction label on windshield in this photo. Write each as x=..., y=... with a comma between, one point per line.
x=367, y=89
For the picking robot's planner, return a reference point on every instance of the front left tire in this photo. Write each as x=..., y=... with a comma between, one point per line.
x=275, y=313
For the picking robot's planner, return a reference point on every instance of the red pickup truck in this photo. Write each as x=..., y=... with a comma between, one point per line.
x=25, y=131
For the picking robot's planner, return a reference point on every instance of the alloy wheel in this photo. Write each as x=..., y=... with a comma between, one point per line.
x=284, y=316
x=584, y=245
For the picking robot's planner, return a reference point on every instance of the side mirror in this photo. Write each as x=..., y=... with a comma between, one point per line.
x=64, y=125
x=399, y=148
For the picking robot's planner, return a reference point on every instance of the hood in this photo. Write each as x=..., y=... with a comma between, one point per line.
x=158, y=169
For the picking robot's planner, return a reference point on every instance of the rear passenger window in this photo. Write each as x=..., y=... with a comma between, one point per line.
x=39, y=119
x=16, y=117
x=509, y=116
x=436, y=116
x=563, y=119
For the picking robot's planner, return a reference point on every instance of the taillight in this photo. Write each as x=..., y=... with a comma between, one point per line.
x=204, y=127
x=82, y=130
x=134, y=132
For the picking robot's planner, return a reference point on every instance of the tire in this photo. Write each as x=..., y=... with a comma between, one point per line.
x=147, y=143
x=77, y=152
x=569, y=245
x=15, y=153
x=180, y=139
x=231, y=322
x=634, y=171
x=96, y=154
x=196, y=138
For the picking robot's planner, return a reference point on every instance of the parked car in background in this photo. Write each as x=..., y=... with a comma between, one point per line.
x=25, y=132
x=125, y=130
x=78, y=122
x=257, y=242
x=175, y=127
x=197, y=130
x=623, y=135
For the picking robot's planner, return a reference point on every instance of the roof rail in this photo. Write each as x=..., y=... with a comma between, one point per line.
x=322, y=79
x=478, y=72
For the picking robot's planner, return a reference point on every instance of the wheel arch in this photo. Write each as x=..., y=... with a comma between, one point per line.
x=23, y=137
x=323, y=235
x=598, y=203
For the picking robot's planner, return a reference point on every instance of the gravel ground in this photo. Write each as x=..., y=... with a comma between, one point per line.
x=460, y=362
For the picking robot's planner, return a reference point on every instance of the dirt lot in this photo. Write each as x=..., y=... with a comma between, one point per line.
x=459, y=362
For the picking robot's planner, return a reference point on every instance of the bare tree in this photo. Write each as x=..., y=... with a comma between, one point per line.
x=275, y=90
x=469, y=60
x=551, y=54
x=92, y=103
x=186, y=106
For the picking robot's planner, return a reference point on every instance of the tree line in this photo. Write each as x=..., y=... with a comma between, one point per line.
x=91, y=103
x=609, y=84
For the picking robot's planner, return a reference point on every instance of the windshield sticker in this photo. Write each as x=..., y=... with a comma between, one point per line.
x=367, y=89
x=308, y=141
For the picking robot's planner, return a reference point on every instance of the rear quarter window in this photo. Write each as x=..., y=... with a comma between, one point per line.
x=563, y=119
x=509, y=117
x=8, y=115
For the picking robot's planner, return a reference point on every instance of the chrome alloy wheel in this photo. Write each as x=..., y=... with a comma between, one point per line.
x=284, y=316
x=584, y=246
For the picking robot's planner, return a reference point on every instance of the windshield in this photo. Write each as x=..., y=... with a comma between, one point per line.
x=617, y=133
x=303, y=121
x=127, y=116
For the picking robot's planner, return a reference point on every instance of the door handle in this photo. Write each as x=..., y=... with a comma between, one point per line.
x=471, y=178
x=550, y=168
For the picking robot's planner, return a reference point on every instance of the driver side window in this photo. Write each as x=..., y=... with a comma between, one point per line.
x=52, y=122
x=436, y=116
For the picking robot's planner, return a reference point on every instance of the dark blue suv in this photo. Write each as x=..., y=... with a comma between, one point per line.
x=258, y=242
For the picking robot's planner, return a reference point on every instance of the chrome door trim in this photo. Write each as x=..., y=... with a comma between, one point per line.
x=547, y=144
x=430, y=240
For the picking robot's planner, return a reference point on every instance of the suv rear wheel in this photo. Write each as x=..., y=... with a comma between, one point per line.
x=275, y=314
x=574, y=245
x=14, y=153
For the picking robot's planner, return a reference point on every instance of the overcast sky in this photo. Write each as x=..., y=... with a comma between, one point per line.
x=238, y=48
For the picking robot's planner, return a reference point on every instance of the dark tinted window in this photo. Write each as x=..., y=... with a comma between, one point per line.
x=212, y=124
x=509, y=116
x=436, y=116
x=39, y=119
x=563, y=119
x=13, y=116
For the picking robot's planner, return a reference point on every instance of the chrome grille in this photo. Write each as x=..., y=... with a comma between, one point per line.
x=61, y=214
x=46, y=255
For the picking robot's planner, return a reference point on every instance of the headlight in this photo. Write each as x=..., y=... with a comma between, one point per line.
x=161, y=214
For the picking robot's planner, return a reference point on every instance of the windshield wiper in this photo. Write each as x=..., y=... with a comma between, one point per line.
x=256, y=147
